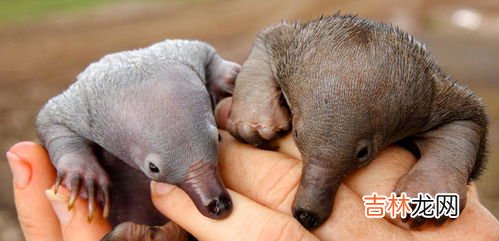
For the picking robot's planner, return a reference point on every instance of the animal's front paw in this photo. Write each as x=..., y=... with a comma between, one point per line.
x=221, y=82
x=84, y=177
x=428, y=182
x=260, y=121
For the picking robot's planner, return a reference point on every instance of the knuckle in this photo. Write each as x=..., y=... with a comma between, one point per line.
x=31, y=227
x=282, y=228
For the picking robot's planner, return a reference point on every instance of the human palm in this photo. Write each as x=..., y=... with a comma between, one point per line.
x=262, y=184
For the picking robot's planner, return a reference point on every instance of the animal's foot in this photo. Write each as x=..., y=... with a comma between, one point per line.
x=129, y=231
x=424, y=183
x=259, y=121
x=85, y=178
x=222, y=80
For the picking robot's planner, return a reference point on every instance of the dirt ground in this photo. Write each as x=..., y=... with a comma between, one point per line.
x=41, y=58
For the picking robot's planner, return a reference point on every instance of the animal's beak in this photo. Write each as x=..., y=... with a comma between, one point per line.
x=315, y=196
x=205, y=188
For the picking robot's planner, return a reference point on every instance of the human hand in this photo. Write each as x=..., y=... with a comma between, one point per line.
x=263, y=185
x=33, y=176
x=43, y=215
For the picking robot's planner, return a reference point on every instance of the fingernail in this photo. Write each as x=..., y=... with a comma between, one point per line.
x=60, y=207
x=161, y=189
x=20, y=170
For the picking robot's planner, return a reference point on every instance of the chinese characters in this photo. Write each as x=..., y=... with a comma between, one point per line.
x=424, y=205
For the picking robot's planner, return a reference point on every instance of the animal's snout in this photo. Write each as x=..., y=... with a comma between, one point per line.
x=315, y=195
x=308, y=219
x=220, y=207
x=205, y=188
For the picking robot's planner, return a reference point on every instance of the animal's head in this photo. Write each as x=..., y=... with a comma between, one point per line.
x=189, y=160
x=332, y=144
x=175, y=138
x=369, y=84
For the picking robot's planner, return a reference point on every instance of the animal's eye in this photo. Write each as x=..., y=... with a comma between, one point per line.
x=363, y=151
x=219, y=138
x=362, y=154
x=153, y=167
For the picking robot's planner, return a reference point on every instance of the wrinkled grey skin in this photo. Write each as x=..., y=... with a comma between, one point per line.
x=350, y=87
x=139, y=115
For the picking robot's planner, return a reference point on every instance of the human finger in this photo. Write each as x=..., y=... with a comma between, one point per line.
x=382, y=175
x=74, y=223
x=474, y=223
x=32, y=174
x=222, y=111
x=33, y=178
x=271, y=178
x=248, y=219
x=267, y=177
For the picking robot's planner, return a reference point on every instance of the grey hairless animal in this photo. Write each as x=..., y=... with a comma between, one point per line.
x=140, y=115
x=349, y=87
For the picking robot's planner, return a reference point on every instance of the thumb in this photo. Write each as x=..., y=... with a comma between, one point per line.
x=39, y=218
x=33, y=173
x=222, y=111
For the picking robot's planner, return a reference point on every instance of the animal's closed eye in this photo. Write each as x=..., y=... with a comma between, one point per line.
x=219, y=138
x=363, y=151
x=153, y=168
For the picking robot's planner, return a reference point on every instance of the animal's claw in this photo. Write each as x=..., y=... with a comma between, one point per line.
x=254, y=134
x=416, y=182
x=106, y=191
x=75, y=190
x=58, y=182
x=91, y=200
x=89, y=183
x=250, y=134
x=260, y=124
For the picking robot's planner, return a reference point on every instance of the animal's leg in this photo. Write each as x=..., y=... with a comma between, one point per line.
x=448, y=156
x=77, y=167
x=129, y=231
x=258, y=110
x=220, y=76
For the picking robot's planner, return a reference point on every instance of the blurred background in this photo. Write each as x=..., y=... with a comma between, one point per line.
x=44, y=44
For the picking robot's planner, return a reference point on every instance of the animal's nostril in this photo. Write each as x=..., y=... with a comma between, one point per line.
x=219, y=207
x=308, y=219
x=214, y=207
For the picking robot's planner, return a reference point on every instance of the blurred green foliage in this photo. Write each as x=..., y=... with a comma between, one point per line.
x=14, y=10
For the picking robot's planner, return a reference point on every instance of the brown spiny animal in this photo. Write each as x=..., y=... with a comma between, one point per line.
x=350, y=87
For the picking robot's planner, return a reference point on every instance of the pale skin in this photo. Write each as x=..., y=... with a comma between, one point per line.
x=262, y=185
